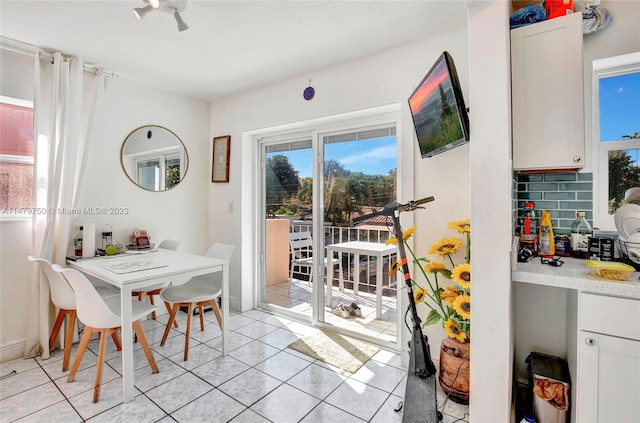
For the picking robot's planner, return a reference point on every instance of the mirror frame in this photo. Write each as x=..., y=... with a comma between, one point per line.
x=181, y=144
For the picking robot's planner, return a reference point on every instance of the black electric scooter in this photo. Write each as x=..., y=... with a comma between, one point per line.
x=420, y=403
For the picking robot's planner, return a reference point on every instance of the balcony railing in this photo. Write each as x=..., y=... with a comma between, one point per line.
x=366, y=270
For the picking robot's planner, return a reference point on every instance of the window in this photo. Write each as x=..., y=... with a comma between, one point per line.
x=16, y=157
x=616, y=134
x=158, y=172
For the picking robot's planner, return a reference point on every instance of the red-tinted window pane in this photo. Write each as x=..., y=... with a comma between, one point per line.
x=16, y=156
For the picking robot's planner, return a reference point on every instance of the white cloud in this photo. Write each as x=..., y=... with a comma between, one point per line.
x=376, y=154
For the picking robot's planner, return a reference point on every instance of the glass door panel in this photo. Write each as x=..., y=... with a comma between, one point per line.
x=288, y=198
x=359, y=177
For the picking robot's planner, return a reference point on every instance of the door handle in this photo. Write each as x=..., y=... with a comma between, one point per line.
x=590, y=341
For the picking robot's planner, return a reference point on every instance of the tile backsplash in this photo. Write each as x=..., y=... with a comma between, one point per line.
x=561, y=194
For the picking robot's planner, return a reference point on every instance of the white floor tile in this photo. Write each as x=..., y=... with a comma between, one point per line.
x=110, y=396
x=61, y=412
x=213, y=407
x=387, y=413
x=280, y=338
x=380, y=375
x=256, y=329
x=286, y=404
x=198, y=355
x=282, y=366
x=29, y=402
x=145, y=380
x=22, y=381
x=178, y=392
x=235, y=341
x=349, y=397
x=253, y=353
x=249, y=416
x=222, y=369
x=250, y=386
x=85, y=381
x=141, y=410
x=327, y=413
x=317, y=381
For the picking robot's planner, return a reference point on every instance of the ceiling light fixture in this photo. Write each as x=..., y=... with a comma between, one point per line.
x=167, y=6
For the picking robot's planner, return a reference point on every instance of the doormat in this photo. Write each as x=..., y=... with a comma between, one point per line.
x=338, y=350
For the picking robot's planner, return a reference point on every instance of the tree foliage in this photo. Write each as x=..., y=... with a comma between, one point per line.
x=345, y=191
x=624, y=173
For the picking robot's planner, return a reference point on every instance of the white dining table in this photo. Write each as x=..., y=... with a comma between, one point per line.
x=134, y=272
x=376, y=249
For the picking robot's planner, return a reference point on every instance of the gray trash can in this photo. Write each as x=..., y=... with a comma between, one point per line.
x=549, y=387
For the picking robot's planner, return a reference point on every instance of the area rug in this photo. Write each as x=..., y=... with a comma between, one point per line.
x=338, y=350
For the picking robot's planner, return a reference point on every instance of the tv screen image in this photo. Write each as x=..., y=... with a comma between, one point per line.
x=438, y=111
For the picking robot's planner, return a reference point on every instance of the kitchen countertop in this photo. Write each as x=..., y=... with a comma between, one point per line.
x=573, y=274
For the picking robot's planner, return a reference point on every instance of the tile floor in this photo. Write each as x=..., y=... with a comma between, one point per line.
x=259, y=381
x=297, y=297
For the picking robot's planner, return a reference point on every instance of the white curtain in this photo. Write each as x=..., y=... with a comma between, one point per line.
x=64, y=103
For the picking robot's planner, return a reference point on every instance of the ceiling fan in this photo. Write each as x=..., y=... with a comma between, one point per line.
x=167, y=6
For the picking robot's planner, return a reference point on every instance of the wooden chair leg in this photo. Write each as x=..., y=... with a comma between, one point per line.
x=86, y=336
x=56, y=327
x=216, y=311
x=71, y=321
x=168, y=306
x=153, y=313
x=137, y=327
x=201, y=313
x=188, y=334
x=172, y=316
x=104, y=334
x=116, y=340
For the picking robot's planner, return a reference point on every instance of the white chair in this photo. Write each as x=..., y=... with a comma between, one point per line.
x=103, y=317
x=301, y=244
x=198, y=291
x=64, y=299
x=167, y=244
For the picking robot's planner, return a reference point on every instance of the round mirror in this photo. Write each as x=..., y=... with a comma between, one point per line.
x=154, y=158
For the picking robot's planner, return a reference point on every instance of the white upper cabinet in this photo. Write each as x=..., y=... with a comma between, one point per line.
x=547, y=95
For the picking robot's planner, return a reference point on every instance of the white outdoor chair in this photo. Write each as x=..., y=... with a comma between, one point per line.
x=167, y=244
x=199, y=291
x=105, y=318
x=301, y=244
x=64, y=299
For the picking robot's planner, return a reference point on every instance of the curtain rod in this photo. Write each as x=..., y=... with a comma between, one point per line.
x=30, y=50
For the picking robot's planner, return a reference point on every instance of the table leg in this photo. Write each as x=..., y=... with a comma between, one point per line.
x=356, y=277
x=225, y=310
x=379, y=280
x=127, y=344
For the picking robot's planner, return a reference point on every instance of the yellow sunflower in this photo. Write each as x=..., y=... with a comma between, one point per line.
x=461, y=226
x=394, y=268
x=449, y=295
x=406, y=234
x=462, y=306
x=461, y=274
x=434, y=266
x=453, y=330
x=445, y=246
x=419, y=294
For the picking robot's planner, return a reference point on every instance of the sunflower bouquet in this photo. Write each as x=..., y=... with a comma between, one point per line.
x=450, y=305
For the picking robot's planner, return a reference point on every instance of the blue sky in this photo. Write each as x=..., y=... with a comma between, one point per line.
x=372, y=157
x=619, y=106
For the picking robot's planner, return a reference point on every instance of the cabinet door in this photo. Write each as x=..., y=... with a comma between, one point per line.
x=608, y=379
x=548, y=95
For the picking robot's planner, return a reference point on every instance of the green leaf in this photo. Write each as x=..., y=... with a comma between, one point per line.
x=432, y=318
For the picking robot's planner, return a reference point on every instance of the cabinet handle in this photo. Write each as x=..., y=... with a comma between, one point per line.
x=590, y=341
x=577, y=159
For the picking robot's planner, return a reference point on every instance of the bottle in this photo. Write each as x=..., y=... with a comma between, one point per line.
x=580, y=233
x=77, y=241
x=528, y=418
x=529, y=228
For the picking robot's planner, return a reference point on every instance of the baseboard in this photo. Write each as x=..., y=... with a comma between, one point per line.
x=12, y=350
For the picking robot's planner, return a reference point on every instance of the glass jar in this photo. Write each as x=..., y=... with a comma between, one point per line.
x=528, y=227
x=77, y=242
x=580, y=233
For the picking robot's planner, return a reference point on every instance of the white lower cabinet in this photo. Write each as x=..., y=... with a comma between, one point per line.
x=608, y=368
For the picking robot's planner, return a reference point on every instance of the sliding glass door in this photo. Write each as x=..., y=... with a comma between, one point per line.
x=312, y=185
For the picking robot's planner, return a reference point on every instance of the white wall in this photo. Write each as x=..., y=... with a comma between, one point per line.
x=180, y=213
x=490, y=170
x=380, y=79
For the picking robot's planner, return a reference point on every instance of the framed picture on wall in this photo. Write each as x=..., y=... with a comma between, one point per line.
x=220, y=165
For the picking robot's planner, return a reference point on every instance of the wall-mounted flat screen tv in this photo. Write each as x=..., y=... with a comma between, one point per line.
x=438, y=111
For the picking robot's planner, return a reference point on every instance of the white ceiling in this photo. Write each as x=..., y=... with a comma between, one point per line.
x=230, y=46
